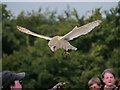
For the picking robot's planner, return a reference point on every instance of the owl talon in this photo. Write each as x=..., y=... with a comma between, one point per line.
x=66, y=53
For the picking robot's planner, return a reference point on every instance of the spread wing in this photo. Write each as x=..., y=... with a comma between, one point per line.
x=32, y=33
x=76, y=32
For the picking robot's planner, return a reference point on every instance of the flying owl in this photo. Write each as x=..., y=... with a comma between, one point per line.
x=62, y=41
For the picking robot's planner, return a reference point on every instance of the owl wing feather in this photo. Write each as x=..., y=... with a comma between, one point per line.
x=76, y=32
x=32, y=33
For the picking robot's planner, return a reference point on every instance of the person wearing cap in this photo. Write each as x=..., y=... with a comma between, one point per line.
x=94, y=83
x=12, y=81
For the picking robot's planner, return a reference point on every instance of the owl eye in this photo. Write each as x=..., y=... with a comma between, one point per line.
x=54, y=47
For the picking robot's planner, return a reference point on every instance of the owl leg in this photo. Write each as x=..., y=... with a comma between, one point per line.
x=66, y=53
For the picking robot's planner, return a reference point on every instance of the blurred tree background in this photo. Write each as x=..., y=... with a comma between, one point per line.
x=97, y=50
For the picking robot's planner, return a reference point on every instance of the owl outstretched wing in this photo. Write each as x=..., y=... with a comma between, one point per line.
x=76, y=32
x=32, y=33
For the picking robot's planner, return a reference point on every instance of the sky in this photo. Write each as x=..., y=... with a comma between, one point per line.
x=81, y=7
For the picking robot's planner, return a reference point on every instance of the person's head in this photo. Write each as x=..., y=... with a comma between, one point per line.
x=12, y=80
x=108, y=77
x=94, y=84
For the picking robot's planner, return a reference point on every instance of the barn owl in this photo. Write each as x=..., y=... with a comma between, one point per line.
x=62, y=41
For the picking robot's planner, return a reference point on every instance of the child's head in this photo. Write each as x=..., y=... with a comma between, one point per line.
x=94, y=83
x=108, y=77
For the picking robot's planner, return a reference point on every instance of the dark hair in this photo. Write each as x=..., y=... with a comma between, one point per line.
x=109, y=70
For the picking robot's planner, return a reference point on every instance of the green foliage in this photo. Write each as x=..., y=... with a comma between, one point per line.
x=5, y=14
x=97, y=50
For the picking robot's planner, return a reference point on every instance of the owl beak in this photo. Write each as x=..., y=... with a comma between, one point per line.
x=52, y=49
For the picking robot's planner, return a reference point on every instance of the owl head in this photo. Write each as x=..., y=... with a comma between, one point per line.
x=54, y=43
